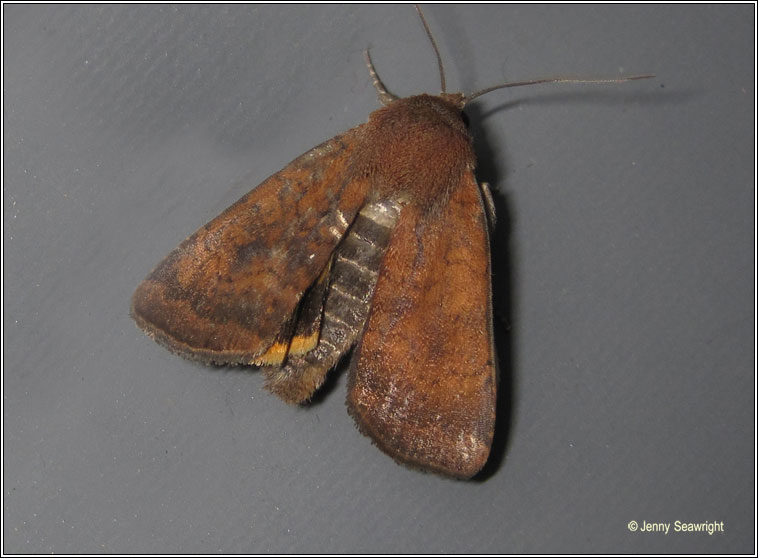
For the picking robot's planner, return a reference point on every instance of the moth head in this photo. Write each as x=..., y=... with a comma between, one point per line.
x=456, y=99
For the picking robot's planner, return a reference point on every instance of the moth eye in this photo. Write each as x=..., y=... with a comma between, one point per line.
x=465, y=119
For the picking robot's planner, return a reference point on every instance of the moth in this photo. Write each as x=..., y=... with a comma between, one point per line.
x=375, y=241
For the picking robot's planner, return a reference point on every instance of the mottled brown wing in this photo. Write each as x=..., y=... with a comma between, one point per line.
x=227, y=292
x=422, y=382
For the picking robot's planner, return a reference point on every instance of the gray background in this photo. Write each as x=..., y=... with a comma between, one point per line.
x=623, y=269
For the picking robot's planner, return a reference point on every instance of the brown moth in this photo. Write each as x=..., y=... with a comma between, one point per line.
x=376, y=240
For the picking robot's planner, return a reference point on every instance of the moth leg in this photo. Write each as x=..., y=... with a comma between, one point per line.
x=489, y=203
x=385, y=97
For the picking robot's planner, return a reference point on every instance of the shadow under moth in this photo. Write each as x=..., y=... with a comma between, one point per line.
x=377, y=241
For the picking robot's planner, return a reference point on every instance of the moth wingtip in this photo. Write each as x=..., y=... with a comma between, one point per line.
x=467, y=463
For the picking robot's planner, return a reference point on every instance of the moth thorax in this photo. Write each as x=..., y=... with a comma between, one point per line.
x=420, y=145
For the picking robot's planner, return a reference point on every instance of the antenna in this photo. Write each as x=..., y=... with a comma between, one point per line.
x=434, y=46
x=473, y=96
x=384, y=96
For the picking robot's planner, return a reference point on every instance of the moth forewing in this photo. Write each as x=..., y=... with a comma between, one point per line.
x=226, y=294
x=422, y=383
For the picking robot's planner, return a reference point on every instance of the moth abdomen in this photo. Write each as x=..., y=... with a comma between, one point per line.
x=352, y=279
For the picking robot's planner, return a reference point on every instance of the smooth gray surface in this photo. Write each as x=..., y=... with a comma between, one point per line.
x=623, y=259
